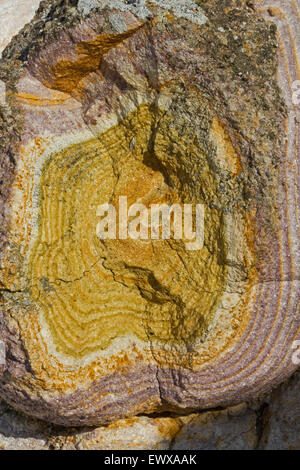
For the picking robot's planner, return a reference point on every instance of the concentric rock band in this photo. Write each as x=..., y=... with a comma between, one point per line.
x=162, y=102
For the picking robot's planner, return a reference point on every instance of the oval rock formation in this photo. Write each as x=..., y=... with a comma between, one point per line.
x=162, y=103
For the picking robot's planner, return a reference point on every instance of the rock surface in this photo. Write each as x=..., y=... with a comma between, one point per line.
x=14, y=15
x=119, y=103
x=271, y=424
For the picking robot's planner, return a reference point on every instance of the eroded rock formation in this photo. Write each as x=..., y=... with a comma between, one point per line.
x=164, y=102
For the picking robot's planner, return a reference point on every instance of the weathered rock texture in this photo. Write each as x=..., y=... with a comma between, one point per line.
x=161, y=102
x=274, y=423
x=14, y=15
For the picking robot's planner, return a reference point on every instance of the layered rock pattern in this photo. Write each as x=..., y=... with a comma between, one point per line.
x=165, y=102
x=274, y=423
